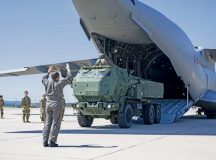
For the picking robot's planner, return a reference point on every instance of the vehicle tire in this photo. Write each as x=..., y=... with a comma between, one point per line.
x=149, y=114
x=157, y=114
x=209, y=115
x=84, y=121
x=125, y=117
x=114, y=120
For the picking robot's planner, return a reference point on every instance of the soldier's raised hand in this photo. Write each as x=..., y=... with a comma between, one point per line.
x=68, y=67
x=51, y=69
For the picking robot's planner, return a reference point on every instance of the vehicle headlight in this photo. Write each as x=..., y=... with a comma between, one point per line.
x=109, y=106
x=77, y=105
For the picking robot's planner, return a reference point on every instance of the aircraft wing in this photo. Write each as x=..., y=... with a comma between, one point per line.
x=75, y=66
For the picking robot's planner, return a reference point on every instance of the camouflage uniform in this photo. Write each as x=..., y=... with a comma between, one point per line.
x=63, y=108
x=1, y=107
x=26, y=103
x=43, y=109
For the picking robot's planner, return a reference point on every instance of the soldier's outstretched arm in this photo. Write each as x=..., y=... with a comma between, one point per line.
x=68, y=79
x=45, y=79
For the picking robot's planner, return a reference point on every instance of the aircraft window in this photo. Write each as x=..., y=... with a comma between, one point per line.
x=133, y=1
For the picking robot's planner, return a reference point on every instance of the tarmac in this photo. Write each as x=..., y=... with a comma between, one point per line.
x=190, y=138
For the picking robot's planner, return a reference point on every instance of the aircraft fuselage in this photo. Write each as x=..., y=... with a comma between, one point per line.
x=149, y=43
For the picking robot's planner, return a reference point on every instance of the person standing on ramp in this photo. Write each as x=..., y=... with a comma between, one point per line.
x=54, y=92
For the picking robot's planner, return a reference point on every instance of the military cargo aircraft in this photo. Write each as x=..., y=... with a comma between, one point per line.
x=136, y=37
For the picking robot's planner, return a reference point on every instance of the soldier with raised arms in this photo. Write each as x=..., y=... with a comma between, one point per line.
x=54, y=92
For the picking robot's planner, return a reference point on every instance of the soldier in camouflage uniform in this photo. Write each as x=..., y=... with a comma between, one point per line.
x=63, y=107
x=43, y=108
x=1, y=106
x=26, y=104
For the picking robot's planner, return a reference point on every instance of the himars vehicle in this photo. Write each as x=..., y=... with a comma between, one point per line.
x=144, y=50
x=110, y=92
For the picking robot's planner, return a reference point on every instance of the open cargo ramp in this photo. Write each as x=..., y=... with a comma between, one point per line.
x=172, y=110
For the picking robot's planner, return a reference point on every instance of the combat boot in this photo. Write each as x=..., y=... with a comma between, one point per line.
x=42, y=119
x=45, y=144
x=53, y=144
x=23, y=118
x=27, y=119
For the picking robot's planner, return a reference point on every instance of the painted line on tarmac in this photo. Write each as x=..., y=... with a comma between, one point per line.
x=21, y=138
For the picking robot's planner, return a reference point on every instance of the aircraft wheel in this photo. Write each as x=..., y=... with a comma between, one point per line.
x=84, y=121
x=114, y=120
x=149, y=114
x=125, y=117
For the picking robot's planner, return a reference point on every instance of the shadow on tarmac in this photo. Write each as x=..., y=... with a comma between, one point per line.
x=37, y=114
x=189, y=125
x=160, y=130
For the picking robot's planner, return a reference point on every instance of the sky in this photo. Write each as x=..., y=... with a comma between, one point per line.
x=48, y=31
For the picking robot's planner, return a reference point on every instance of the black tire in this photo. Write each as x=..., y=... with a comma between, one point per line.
x=149, y=114
x=125, y=117
x=157, y=114
x=84, y=121
x=209, y=115
x=114, y=120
